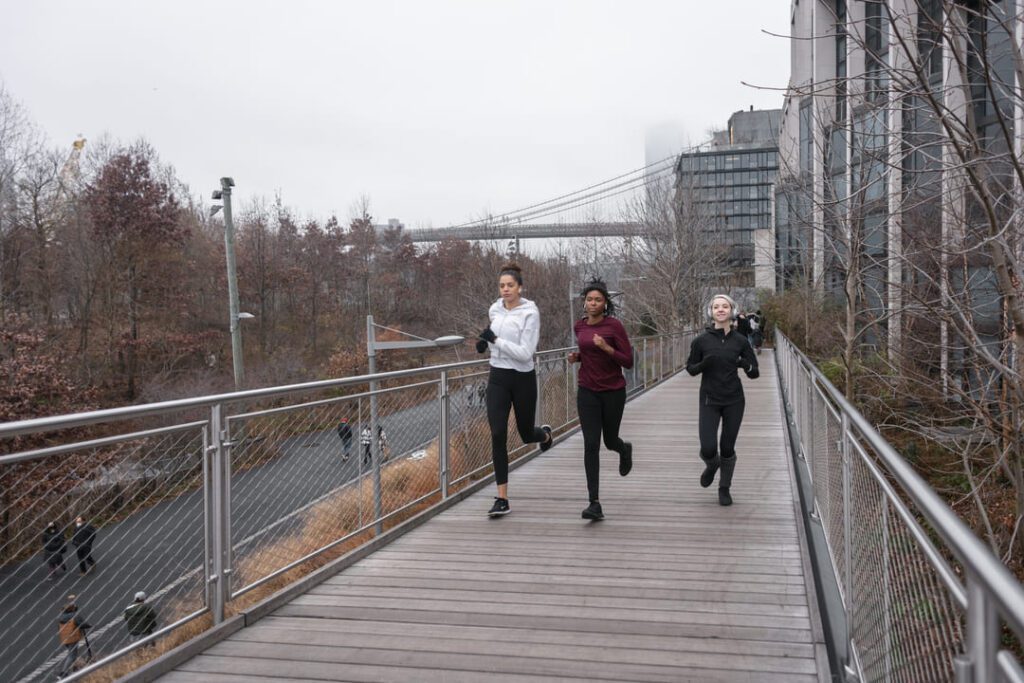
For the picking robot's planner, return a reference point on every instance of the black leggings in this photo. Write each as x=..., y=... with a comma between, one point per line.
x=506, y=389
x=731, y=416
x=600, y=411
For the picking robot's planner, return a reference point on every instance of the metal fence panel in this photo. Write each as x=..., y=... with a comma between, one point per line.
x=142, y=492
x=900, y=574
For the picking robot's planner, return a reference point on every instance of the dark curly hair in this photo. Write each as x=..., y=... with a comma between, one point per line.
x=514, y=270
x=596, y=284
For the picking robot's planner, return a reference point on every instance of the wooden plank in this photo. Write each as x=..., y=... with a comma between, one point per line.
x=521, y=635
x=669, y=587
x=503, y=647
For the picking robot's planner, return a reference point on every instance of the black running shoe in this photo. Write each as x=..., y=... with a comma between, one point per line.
x=625, y=459
x=723, y=496
x=593, y=511
x=499, y=508
x=710, y=469
x=545, y=445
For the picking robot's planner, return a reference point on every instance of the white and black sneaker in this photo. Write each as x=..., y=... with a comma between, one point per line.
x=546, y=445
x=499, y=508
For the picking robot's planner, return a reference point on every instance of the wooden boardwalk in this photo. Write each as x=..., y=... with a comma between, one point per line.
x=669, y=587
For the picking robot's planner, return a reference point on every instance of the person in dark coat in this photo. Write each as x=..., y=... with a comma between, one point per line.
x=140, y=618
x=717, y=355
x=71, y=628
x=345, y=434
x=53, y=548
x=82, y=538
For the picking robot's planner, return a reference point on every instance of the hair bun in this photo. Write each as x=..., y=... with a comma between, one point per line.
x=512, y=265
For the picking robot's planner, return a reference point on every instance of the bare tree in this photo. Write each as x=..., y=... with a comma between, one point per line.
x=676, y=258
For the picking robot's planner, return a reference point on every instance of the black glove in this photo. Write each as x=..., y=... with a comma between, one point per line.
x=481, y=345
x=488, y=335
x=743, y=363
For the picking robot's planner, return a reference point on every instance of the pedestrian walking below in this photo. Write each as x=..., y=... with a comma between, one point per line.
x=71, y=628
x=511, y=336
x=365, y=443
x=54, y=544
x=604, y=350
x=717, y=355
x=345, y=434
x=82, y=538
x=140, y=618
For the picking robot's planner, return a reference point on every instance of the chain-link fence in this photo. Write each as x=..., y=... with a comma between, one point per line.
x=198, y=503
x=923, y=598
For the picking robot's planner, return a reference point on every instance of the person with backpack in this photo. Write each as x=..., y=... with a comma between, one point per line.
x=71, y=628
x=717, y=355
x=511, y=336
x=604, y=350
x=140, y=618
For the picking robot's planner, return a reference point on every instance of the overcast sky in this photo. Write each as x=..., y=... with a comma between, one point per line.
x=438, y=111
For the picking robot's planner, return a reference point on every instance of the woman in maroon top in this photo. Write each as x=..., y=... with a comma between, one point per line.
x=604, y=350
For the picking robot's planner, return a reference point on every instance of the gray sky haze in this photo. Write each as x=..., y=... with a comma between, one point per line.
x=437, y=110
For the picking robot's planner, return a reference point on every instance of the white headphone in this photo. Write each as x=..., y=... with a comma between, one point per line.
x=732, y=304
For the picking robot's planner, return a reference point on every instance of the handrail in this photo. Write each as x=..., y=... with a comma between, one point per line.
x=69, y=420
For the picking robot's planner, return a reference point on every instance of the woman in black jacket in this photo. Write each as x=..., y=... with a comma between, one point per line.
x=716, y=355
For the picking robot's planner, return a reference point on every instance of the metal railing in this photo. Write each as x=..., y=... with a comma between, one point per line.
x=201, y=501
x=923, y=598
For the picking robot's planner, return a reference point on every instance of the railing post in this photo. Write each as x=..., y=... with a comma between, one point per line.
x=217, y=523
x=443, y=441
x=886, y=592
x=844, y=452
x=378, y=492
x=645, y=362
x=538, y=411
x=978, y=663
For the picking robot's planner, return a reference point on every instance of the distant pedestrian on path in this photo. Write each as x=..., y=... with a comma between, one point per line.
x=366, y=443
x=717, y=355
x=604, y=350
x=140, y=618
x=54, y=544
x=345, y=434
x=71, y=628
x=511, y=335
x=82, y=538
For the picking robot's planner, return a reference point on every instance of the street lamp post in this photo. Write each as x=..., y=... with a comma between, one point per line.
x=372, y=346
x=229, y=252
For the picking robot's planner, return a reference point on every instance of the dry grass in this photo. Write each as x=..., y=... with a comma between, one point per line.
x=328, y=520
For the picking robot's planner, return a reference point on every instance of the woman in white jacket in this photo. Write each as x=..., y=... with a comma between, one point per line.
x=512, y=338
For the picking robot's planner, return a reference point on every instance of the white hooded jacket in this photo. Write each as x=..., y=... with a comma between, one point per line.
x=517, y=332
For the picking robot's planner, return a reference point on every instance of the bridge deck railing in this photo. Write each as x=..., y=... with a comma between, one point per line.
x=200, y=502
x=922, y=597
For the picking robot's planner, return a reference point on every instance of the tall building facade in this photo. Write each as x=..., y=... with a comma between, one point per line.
x=893, y=109
x=729, y=182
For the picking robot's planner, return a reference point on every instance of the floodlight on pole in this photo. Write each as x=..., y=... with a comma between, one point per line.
x=372, y=346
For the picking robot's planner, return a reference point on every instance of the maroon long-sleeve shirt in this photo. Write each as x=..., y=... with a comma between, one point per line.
x=600, y=371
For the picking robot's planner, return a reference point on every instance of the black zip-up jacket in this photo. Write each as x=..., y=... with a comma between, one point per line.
x=716, y=356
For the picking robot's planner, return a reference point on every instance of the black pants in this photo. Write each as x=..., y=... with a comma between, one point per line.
x=600, y=412
x=85, y=560
x=730, y=416
x=507, y=389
